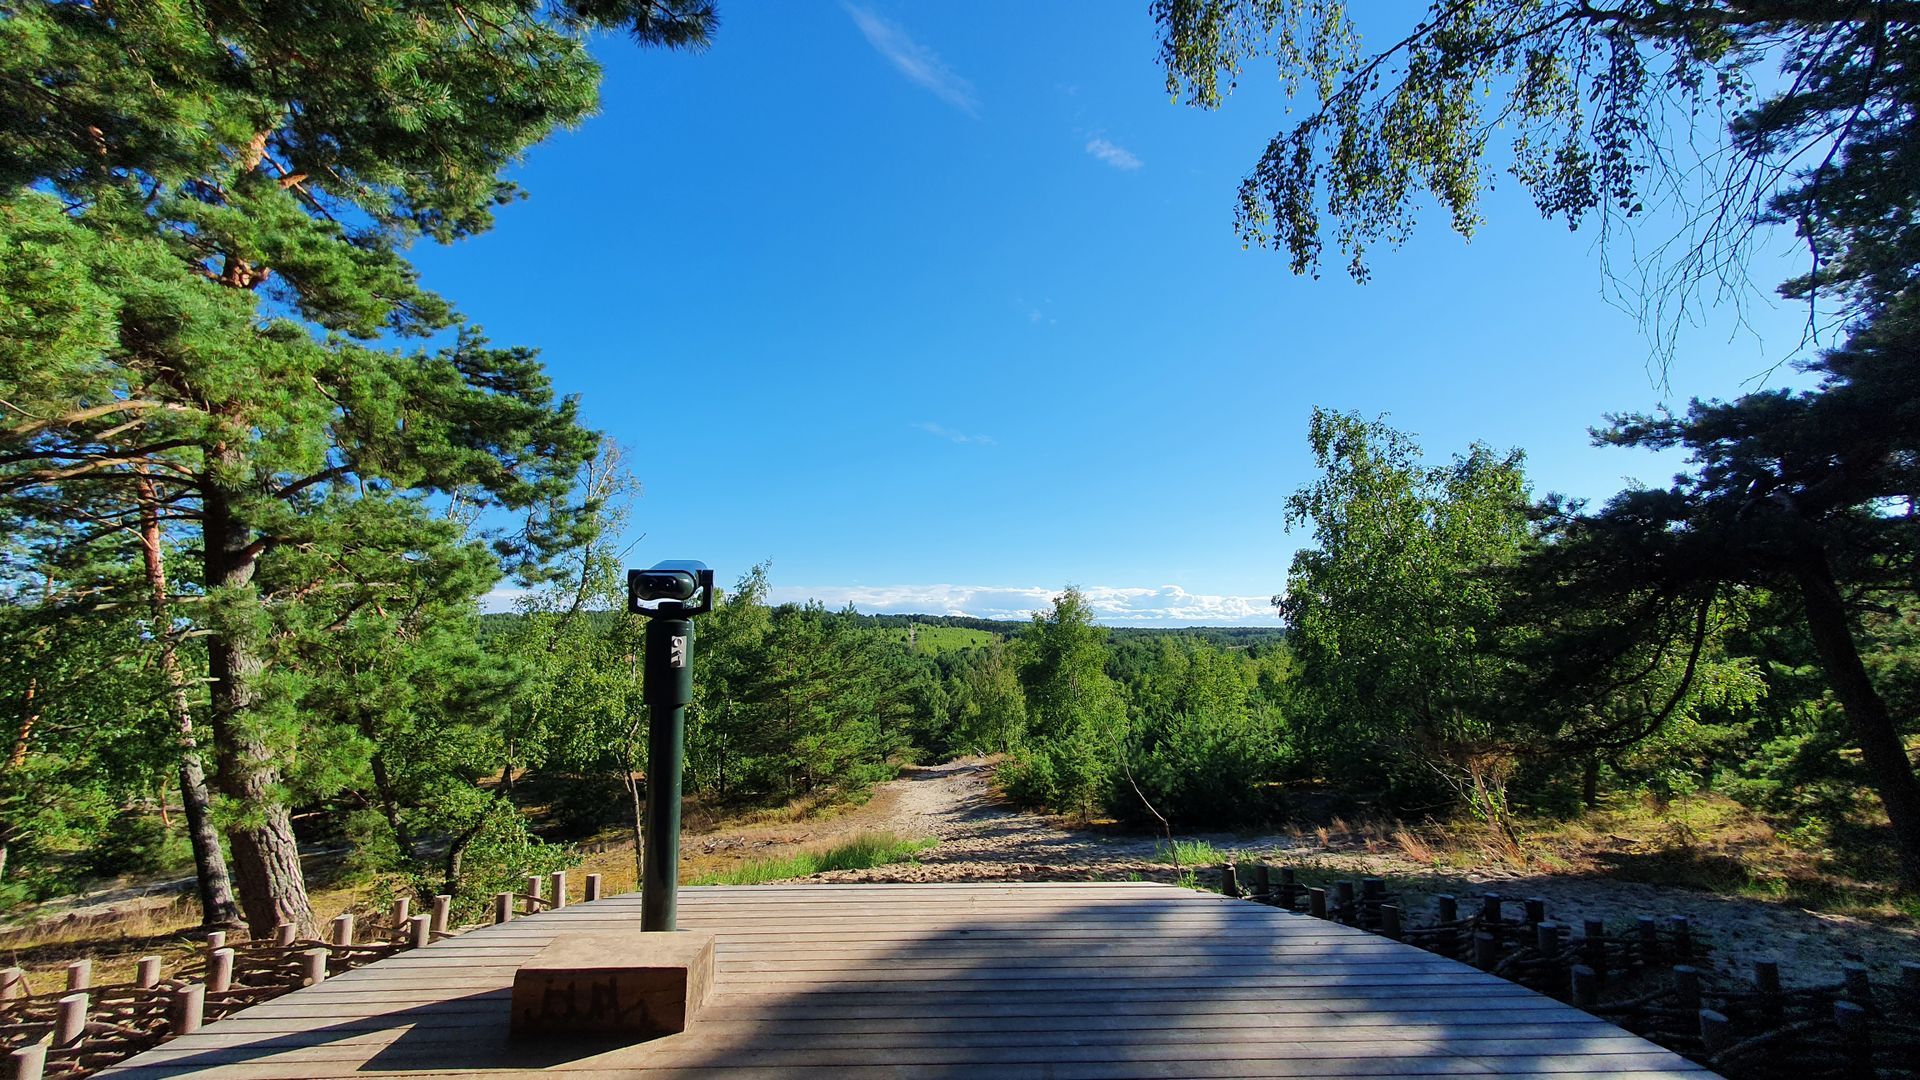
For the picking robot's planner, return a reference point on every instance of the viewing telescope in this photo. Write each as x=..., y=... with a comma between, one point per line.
x=671, y=586
x=669, y=594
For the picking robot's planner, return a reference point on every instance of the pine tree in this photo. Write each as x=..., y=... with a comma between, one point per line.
x=203, y=211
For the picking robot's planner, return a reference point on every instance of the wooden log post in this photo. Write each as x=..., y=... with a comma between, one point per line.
x=1910, y=987
x=502, y=907
x=1858, y=983
x=1716, y=1031
x=1263, y=883
x=1593, y=946
x=591, y=891
x=1546, y=938
x=1345, y=908
x=316, y=969
x=1649, y=938
x=1766, y=980
x=1584, y=988
x=1390, y=922
x=1317, y=902
x=216, y=939
x=147, y=975
x=532, y=902
x=13, y=983
x=558, y=881
x=421, y=927
x=343, y=929
x=29, y=1062
x=1230, y=881
x=70, y=1022
x=1536, y=910
x=1373, y=893
x=1289, y=888
x=442, y=912
x=79, y=975
x=401, y=914
x=1486, y=949
x=188, y=1009
x=283, y=935
x=1681, y=928
x=1446, y=913
x=1686, y=986
x=220, y=971
x=1855, y=1038
x=1490, y=909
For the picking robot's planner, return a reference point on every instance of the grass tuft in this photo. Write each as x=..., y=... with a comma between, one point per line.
x=860, y=853
x=1190, y=853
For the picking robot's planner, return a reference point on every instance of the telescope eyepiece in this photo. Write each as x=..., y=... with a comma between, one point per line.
x=663, y=584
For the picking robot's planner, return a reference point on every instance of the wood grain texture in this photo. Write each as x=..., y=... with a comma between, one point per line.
x=868, y=982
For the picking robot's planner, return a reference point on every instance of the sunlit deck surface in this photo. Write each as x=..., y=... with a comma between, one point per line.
x=1029, y=980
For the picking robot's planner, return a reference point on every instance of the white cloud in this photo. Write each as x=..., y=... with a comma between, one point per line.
x=502, y=598
x=914, y=60
x=954, y=436
x=1167, y=605
x=1113, y=154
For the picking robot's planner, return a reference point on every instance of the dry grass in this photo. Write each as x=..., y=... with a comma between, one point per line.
x=115, y=942
x=1414, y=847
x=1702, y=841
x=167, y=928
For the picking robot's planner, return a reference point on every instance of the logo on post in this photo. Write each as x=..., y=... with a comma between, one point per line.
x=677, y=651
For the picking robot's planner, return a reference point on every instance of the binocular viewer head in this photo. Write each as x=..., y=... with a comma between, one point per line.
x=677, y=587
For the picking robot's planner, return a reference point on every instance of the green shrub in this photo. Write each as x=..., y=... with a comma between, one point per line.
x=138, y=844
x=498, y=859
x=1209, y=767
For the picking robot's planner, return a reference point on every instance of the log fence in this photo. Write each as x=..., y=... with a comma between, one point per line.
x=1644, y=977
x=79, y=1028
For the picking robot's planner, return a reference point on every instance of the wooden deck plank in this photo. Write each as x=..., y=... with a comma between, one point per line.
x=1007, y=980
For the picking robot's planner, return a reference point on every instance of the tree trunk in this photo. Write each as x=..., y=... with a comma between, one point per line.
x=217, y=907
x=389, y=802
x=639, y=807
x=1590, y=783
x=29, y=715
x=1881, y=747
x=266, y=858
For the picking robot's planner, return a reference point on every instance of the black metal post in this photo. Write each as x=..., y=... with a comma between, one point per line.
x=667, y=690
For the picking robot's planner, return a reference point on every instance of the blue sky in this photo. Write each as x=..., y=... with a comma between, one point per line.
x=939, y=308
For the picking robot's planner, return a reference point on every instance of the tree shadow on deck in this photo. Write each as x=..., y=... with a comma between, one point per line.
x=1173, y=983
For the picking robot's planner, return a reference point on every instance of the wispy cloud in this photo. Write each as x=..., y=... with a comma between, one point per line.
x=954, y=436
x=914, y=60
x=1113, y=154
x=1166, y=605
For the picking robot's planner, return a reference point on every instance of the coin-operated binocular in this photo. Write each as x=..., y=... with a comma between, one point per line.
x=669, y=595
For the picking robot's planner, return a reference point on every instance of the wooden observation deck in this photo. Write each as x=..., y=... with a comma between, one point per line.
x=844, y=982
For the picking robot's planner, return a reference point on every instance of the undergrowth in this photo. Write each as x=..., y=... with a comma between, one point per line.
x=864, y=851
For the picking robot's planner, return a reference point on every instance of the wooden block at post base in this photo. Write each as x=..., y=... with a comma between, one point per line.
x=625, y=984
